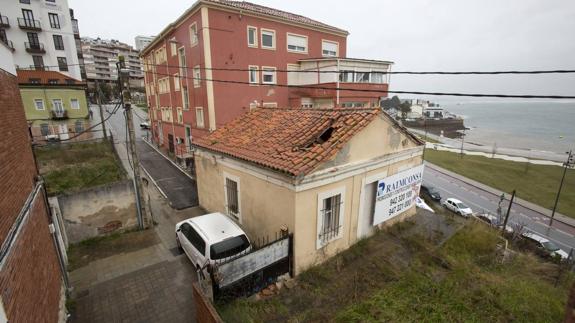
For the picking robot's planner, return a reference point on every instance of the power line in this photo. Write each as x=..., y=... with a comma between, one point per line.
x=480, y=95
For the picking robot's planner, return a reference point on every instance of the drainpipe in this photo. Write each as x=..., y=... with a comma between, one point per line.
x=171, y=105
x=337, y=84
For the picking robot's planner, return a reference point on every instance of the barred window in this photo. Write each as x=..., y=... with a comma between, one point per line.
x=232, y=198
x=79, y=126
x=330, y=227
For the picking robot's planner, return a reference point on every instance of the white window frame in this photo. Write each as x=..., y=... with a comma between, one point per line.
x=186, y=98
x=255, y=29
x=329, y=41
x=173, y=47
x=193, y=35
x=255, y=69
x=292, y=74
x=61, y=104
x=267, y=69
x=179, y=115
x=237, y=217
x=72, y=105
x=268, y=31
x=201, y=124
x=43, y=105
x=295, y=50
x=197, y=75
x=320, y=198
x=176, y=82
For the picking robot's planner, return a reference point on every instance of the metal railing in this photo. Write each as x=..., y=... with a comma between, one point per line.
x=25, y=23
x=34, y=47
x=4, y=22
x=8, y=43
x=59, y=114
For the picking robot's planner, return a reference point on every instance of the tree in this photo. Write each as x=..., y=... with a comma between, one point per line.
x=405, y=108
x=389, y=103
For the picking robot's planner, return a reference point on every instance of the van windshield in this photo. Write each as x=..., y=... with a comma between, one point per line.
x=229, y=247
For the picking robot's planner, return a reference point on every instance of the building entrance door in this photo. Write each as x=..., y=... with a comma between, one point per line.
x=171, y=143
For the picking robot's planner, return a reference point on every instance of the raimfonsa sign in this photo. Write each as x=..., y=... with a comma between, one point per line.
x=397, y=193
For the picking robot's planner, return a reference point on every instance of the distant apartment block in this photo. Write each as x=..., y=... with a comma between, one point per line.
x=101, y=56
x=42, y=35
x=143, y=41
x=223, y=58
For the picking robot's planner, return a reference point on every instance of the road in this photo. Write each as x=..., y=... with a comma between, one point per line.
x=177, y=187
x=483, y=201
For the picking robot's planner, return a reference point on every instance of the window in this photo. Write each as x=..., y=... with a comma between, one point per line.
x=79, y=125
x=346, y=76
x=353, y=104
x=173, y=47
x=252, y=36
x=33, y=40
x=180, y=115
x=25, y=1
x=197, y=76
x=62, y=64
x=253, y=74
x=182, y=60
x=270, y=105
x=199, y=117
x=296, y=43
x=44, y=129
x=193, y=34
x=54, y=20
x=292, y=74
x=58, y=42
x=53, y=81
x=268, y=75
x=377, y=77
x=34, y=81
x=362, y=77
x=39, y=104
x=194, y=238
x=268, y=39
x=329, y=48
x=232, y=196
x=176, y=82
x=164, y=85
x=185, y=98
x=57, y=105
x=330, y=216
x=75, y=104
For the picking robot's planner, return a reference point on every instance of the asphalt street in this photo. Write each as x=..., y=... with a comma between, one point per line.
x=482, y=201
x=177, y=187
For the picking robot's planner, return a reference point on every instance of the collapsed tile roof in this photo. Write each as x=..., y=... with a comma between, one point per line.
x=291, y=140
x=256, y=8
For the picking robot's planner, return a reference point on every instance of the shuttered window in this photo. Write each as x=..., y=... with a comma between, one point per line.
x=232, y=198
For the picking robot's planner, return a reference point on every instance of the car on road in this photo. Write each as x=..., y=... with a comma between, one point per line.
x=145, y=125
x=493, y=221
x=431, y=192
x=545, y=247
x=211, y=237
x=458, y=207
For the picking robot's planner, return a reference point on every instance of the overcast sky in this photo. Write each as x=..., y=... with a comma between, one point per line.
x=418, y=35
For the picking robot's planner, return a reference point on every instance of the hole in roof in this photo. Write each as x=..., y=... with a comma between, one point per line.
x=323, y=137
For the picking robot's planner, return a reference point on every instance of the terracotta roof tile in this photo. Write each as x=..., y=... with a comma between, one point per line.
x=294, y=141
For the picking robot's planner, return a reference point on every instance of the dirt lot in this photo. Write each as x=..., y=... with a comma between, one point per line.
x=429, y=268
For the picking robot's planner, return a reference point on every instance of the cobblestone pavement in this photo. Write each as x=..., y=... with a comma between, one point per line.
x=153, y=284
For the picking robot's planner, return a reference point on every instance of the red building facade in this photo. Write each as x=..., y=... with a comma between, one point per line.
x=223, y=58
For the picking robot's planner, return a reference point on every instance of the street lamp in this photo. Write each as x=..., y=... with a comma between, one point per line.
x=569, y=163
x=462, y=141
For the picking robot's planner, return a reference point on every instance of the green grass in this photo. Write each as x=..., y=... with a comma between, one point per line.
x=400, y=276
x=539, y=184
x=428, y=139
x=72, y=167
x=143, y=107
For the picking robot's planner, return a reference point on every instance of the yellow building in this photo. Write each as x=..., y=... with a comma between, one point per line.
x=330, y=176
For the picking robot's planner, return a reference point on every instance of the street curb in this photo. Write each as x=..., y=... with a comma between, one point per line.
x=168, y=159
x=526, y=204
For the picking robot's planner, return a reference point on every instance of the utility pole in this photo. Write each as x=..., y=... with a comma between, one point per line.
x=99, y=98
x=508, y=211
x=126, y=99
x=569, y=163
x=462, y=140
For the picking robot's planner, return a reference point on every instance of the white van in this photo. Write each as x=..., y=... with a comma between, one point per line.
x=210, y=237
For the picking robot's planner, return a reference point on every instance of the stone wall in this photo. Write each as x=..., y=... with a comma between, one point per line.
x=99, y=211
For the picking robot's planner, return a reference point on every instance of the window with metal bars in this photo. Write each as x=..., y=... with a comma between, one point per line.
x=232, y=197
x=330, y=217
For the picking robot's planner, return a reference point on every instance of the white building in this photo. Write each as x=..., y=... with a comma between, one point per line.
x=143, y=41
x=100, y=57
x=41, y=35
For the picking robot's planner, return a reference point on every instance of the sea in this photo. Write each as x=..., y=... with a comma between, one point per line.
x=543, y=126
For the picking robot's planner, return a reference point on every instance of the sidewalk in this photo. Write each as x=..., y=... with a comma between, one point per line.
x=546, y=212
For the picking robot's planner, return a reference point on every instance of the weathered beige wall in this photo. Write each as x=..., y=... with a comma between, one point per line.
x=264, y=206
x=99, y=210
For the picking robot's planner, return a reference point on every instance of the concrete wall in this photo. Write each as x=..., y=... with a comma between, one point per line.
x=99, y=210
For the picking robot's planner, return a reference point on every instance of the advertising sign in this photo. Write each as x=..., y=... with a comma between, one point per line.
x=397, y=193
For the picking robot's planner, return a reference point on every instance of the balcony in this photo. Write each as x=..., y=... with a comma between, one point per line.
x=8, y=43
x=4, y=22
x=35, y=48
x=29, y=24
x=59, y=114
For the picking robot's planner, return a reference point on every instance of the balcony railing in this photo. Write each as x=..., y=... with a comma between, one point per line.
x=75, y=28
x=4, y=22
x=35, y=48
x=59, y=114
x=29, y=24
x=8, y=43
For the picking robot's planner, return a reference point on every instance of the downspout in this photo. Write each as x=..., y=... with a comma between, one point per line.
x=171, y=105
x=337, y=84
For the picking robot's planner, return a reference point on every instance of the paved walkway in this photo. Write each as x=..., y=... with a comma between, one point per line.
x=153, y=284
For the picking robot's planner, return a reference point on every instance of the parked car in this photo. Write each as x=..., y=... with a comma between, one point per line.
x=144, y=125
x=545, y=247
x=210, y=237
x=458, y=207
x=431, y=192
x=493, y=221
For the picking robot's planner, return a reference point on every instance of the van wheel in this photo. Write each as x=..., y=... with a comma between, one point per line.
x=178, y=243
